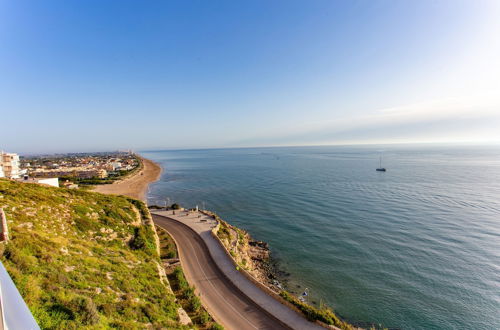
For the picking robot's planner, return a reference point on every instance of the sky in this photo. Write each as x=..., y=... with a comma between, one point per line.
x=106, y=75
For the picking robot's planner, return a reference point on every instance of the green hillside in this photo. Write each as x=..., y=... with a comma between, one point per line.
x=82, y=259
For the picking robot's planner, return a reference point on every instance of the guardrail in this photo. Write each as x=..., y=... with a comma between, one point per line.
x=14, y=314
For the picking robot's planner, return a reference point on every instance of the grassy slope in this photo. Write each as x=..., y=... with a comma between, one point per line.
x=80, y=259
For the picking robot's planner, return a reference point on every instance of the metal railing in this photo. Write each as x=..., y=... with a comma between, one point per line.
x=14, y=313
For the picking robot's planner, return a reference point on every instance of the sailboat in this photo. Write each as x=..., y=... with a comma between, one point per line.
x=380, y=168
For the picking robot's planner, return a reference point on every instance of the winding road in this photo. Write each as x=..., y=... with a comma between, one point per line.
x=224, y=300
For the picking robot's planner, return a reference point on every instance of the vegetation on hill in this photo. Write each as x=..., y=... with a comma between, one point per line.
x=83, y=259
x=251, y=255
x=324, y=314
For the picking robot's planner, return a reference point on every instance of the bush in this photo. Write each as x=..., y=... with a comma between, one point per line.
x=139, y=240
x=175, y=206
x=223, y=231
x=143, y=240
x=194, y=304
x=216, y=326
x=188, y=293
x=202, y=318
x=312, y=313
x=84, y=224
x=85, y=308
x=170, y=254
x=143, y=209
x=179, y=281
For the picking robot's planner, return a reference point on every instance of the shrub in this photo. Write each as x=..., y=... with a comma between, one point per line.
x=188, y=293
x=202, y=318
x=143, y=240
x=170, y=254
x=150, y=311
x=216, y=326
x=84, y=224
x=325, y=315
x=139, y=240
x=194, y=304
x=180, y=282
x=85, y=308
x=241, y=236
x=223, y=231
x=107, y=309
x=143, y=209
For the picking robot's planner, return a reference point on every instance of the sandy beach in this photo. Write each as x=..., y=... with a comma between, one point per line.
x=136, y=185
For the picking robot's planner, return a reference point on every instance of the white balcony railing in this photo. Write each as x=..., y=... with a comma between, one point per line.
x=14, y=312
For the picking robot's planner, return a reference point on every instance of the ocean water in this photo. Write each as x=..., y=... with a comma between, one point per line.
x=416, y=247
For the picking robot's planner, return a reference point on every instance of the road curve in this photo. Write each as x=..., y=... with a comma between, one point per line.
x=228, y=305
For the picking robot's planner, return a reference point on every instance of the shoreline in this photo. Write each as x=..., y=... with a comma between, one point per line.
x=262, y=267
x=253, y=260
x=243, y=303
x=136, y=185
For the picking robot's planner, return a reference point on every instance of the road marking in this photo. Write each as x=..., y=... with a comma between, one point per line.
x=216, y=291
x=213, y=286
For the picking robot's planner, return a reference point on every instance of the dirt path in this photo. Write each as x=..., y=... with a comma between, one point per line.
x=135, y=186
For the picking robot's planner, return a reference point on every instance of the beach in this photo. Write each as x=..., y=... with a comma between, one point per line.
x=136, y=185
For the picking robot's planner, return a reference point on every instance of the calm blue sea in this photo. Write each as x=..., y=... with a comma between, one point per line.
x=416, y=247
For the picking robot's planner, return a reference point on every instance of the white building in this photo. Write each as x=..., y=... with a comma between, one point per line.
x=54, y=182
x=116, y=165
x=10, y=165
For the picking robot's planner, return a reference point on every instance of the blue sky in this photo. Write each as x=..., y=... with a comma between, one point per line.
x=103, y=75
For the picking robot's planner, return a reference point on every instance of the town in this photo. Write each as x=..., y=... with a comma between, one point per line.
x=70, y=169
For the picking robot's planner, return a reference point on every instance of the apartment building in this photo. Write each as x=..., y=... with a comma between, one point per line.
x=9, y=164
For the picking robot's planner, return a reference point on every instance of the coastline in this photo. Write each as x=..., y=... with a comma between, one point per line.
x=234, y=300
x=253, y=260
x=264, y=267
x=252, y=256
x=136, y=185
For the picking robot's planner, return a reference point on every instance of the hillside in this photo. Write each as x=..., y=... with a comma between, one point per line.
x=82, y=259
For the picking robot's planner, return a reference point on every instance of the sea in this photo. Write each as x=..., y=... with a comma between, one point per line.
x=415, y=247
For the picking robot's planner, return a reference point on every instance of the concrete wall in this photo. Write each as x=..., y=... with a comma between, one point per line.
x=54, y=182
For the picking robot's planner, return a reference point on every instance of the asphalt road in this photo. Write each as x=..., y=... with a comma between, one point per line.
x=228, y=305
